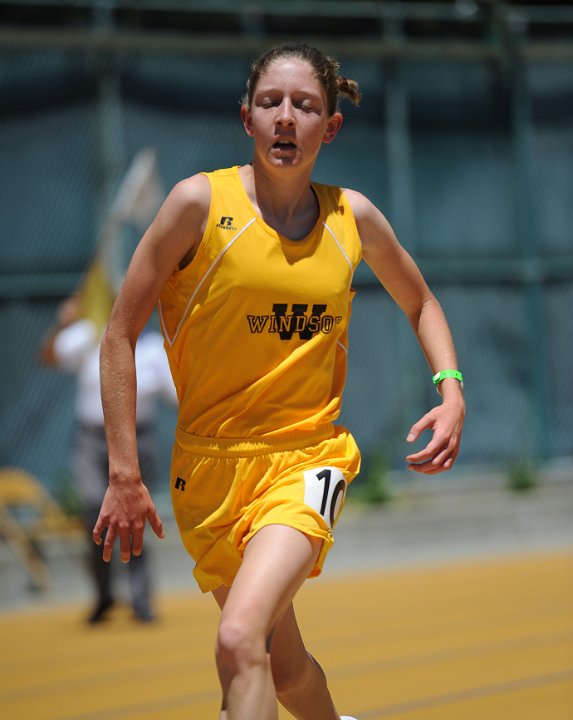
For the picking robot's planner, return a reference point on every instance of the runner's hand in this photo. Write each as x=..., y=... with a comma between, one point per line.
x=124, y=512
x=445, y=421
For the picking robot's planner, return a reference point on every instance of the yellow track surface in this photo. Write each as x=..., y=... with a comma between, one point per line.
x=484, y=640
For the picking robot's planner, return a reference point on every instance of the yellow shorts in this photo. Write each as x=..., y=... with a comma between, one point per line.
x=223, y=491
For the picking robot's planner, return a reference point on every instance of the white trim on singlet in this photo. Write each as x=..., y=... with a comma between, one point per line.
x=199, y=285
x=348, y=260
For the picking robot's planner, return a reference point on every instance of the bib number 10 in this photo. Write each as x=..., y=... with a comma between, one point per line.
x=324, y=490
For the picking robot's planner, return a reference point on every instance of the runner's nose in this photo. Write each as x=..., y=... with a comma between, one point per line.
x=285, y=116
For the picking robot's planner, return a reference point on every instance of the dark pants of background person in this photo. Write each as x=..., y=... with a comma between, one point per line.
x=90, y=469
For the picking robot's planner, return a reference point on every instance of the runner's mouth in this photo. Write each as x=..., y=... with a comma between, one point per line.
x=284, y=145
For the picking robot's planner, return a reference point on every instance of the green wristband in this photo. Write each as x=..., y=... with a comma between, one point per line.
x=443, y=374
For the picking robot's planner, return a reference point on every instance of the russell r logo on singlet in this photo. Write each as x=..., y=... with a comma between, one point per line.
x=298, y=321
x=226, y=223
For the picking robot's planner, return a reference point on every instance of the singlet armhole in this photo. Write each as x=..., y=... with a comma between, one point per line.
x=348, y=204
x=179, y=272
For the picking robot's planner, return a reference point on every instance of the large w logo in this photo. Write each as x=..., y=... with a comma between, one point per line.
x=297, y=321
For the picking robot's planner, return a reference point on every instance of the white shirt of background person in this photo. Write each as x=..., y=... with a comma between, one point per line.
x=76, y=350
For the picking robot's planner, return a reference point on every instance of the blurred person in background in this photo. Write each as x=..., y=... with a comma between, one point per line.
x=73, y=345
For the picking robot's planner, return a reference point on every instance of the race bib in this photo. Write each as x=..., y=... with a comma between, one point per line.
x=324, y=491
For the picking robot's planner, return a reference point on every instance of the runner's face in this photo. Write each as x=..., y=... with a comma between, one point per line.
x=288, y=118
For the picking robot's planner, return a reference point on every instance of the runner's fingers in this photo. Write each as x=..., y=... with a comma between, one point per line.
x=432, y=448
x=99, y=527
x=418, y=428
x=427, y=468
x=137, y=540
x=442, y=456
x=444, y=461
x=155, y=522
x=109, y=543
x=125, y=543
x=423, y=468
x=449, y=454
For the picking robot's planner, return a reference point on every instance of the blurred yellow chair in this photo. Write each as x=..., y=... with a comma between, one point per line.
x=28, y=515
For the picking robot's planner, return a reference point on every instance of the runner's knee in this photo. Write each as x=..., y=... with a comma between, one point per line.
x=238, y=647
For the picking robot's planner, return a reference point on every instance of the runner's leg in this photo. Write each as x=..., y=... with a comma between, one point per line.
x=275, y=564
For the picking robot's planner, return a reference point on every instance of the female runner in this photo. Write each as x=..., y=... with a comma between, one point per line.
x=251, y=268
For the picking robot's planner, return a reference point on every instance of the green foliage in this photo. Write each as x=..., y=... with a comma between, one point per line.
x=66, y=495
x=373, y=486
x=522, y=475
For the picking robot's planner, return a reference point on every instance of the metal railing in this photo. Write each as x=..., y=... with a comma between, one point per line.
x=466, y=29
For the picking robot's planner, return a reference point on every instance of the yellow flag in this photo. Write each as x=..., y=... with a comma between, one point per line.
x=137, y=200
x=97, y=295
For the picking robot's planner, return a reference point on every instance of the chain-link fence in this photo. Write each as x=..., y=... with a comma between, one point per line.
x=469, y=157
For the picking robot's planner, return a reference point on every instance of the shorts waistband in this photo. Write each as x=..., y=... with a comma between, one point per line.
x=251, y=446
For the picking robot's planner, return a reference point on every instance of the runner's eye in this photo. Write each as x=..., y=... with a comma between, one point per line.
x=304, y=105
x=267, y=103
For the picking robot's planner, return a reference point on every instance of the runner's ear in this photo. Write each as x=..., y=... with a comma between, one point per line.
x=334, y=125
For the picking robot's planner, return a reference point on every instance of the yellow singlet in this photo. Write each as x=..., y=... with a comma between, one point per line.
x=255, y=326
